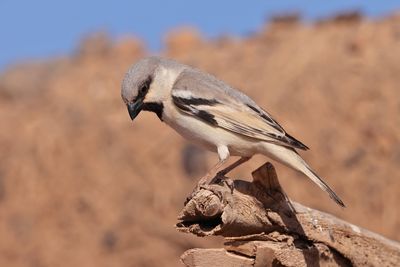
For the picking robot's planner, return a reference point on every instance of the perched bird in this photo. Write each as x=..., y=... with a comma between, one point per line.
x=212, y=114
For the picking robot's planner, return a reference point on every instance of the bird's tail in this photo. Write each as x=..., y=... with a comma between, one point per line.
x=292, y=159
x=318, y=180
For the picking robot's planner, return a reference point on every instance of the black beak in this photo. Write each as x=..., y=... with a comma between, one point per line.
x=135, y=108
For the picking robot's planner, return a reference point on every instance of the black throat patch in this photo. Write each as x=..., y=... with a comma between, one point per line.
x=157, y=108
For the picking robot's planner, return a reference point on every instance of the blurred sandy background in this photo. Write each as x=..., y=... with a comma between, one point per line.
x=81, y=185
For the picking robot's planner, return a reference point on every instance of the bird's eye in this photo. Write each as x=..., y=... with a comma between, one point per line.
x=144, y=88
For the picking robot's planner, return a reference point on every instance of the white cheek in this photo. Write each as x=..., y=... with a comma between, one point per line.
x=153, y=95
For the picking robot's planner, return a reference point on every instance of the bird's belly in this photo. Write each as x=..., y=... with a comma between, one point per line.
x=210, y=137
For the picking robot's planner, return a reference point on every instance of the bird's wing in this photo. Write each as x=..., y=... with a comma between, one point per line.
x=203, y=96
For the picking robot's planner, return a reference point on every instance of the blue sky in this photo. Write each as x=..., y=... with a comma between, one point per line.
x=44, y=28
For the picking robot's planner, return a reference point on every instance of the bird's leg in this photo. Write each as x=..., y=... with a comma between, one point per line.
x=233, y=166
x=205, y=180
x=223, y=154
x=211, y=173
x=221, y=174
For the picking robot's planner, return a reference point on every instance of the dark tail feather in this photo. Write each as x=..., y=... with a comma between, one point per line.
x=291, y=158
x=327, y=189
x=295, y=143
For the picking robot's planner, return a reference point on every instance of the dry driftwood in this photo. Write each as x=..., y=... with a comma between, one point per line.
x=262, y=228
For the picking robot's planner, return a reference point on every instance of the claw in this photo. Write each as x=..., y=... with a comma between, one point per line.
x=230, y=183
x=217, y=179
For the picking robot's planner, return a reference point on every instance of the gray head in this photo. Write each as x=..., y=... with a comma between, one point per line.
x=147, y=84
x=137, y=83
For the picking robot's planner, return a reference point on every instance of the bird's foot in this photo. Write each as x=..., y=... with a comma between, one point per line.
x=220, y=177
x=213, y=189
x=230, y=183
x=219, y=181
x=206, y=182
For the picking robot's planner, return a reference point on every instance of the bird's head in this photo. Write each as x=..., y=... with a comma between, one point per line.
x=138, y=85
